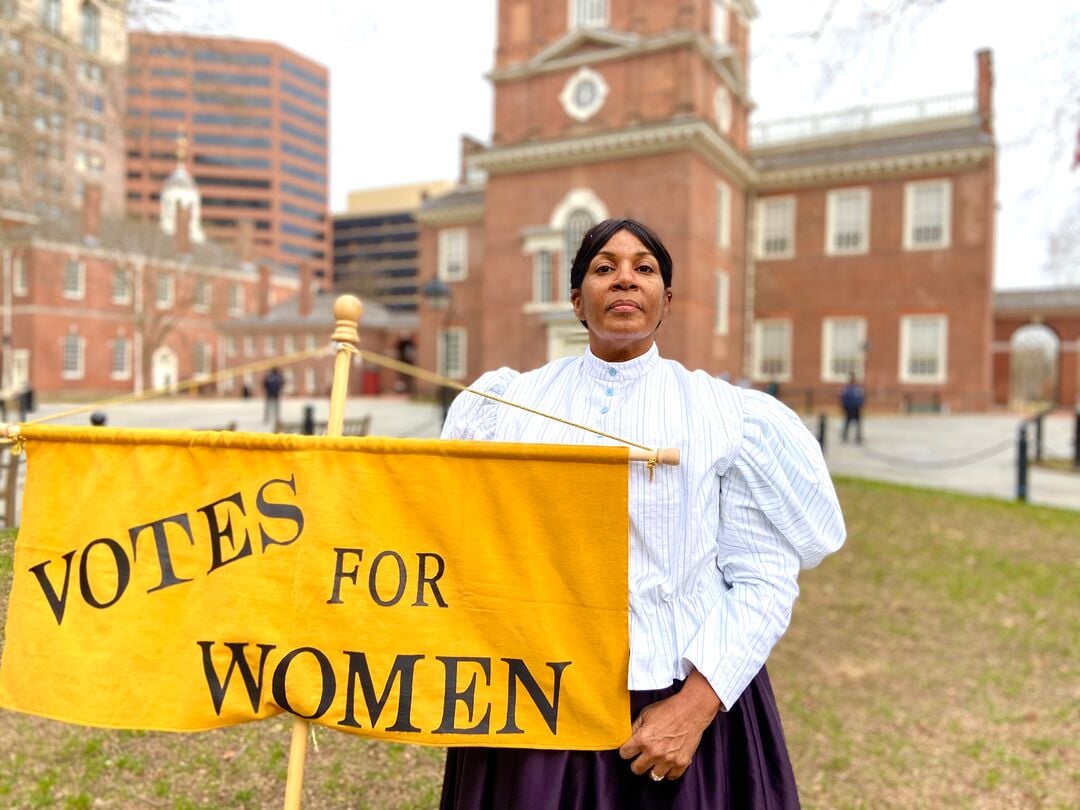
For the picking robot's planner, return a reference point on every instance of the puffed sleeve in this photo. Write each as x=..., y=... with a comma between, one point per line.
x=472, y=417
x=779, y=513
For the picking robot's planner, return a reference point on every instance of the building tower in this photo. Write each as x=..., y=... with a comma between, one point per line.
x=603, y=108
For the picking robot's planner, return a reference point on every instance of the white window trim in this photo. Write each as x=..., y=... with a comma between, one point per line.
x=170, y=290
x=759, y=375
x=248, y=345
x=445, y=236
x=568, y=96
x=80, y=293
x=762, y=204
x=826, y=349
x=722, y=324
x=723, y=215
x=830, y=222
x=203, y=306
x=721, y=25
x=19, y=279
x=463, y=335
x=207, y=358
x=599, y=22
x=125, y=372
x=126, y=298
x=80, y=370
x=236, y=300
x=909, y=216
x=543, y=294
x=723, y=109
x=905, y=350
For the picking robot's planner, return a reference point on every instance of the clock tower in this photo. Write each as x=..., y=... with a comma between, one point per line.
x=615, y=108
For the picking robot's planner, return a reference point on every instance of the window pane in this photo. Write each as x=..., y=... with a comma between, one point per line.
x=928, y=214
x=777, y=226
x=543, y=290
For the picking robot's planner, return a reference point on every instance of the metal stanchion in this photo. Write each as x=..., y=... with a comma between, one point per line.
x=308, y=425
x=1076, y=442
x=823, y=422
x=1022, y=464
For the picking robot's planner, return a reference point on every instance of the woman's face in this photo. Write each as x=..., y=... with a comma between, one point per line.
x=622, y=298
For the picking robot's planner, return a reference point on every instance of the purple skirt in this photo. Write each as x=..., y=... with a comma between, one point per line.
x=741, y=764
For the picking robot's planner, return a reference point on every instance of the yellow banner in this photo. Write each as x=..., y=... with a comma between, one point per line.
x=444, y=593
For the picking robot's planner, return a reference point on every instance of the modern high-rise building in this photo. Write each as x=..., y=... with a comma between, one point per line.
x=375, y=243
x=252, y=117
x=61, y=102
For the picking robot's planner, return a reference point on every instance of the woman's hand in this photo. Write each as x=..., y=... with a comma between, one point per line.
x=667, y=733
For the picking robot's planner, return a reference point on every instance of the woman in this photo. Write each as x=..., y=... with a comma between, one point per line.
x=716, y=545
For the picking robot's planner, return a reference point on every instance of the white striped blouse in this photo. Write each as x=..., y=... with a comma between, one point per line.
x=716, y=543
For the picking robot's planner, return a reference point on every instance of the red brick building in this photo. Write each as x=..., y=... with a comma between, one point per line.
x=1037, y=347
x=805, y=251
x=305, y=322
x=92, y=306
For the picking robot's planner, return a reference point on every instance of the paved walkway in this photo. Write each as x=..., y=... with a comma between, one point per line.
x=973, y=453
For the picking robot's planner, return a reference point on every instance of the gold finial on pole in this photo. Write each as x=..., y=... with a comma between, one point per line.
x=347, y=311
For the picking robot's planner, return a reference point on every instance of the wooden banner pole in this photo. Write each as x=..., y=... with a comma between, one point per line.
x=347, y=311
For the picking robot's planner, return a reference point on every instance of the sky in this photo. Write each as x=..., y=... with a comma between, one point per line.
x=408, y=78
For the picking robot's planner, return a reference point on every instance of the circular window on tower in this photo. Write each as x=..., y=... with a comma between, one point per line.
x=584, y=94
x=722, y=108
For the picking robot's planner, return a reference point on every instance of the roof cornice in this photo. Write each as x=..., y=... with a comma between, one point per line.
x=694, y=135
x=452, y=215
x=941, y=160
x=550, y=60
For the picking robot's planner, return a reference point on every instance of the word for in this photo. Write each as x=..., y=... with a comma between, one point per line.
x=393, y=567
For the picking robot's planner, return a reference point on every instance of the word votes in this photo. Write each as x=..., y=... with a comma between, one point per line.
x=102, y=584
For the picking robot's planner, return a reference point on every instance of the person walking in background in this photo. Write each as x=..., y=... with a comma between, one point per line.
x=852, y=398
x=273, y=382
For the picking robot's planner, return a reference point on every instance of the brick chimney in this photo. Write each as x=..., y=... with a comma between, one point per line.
x=307, y=292
x=183, y=229
x=91, y=213
x=245, y=241
x=985, y=89
x=262, y=291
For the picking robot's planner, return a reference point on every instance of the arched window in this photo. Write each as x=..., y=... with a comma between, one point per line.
x=49, y=13
x=577, y=225
x=90, y=27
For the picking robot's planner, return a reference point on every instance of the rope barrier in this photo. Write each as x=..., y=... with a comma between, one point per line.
x=939, y=464
x=186, y=385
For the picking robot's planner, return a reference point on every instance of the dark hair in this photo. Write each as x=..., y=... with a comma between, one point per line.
x=599, y=235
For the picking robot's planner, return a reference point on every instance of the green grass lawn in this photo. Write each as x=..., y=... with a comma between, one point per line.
x=931, y=663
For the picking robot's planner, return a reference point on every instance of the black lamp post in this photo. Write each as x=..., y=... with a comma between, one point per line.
x=439, y=298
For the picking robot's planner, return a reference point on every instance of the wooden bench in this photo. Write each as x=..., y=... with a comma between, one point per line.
x=226, y=426
x=349, y=427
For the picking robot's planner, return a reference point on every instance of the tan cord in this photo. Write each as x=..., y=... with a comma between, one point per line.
x=124, y=399
x=431, y=376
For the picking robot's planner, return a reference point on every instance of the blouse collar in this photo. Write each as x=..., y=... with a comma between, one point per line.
x=593, y=366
